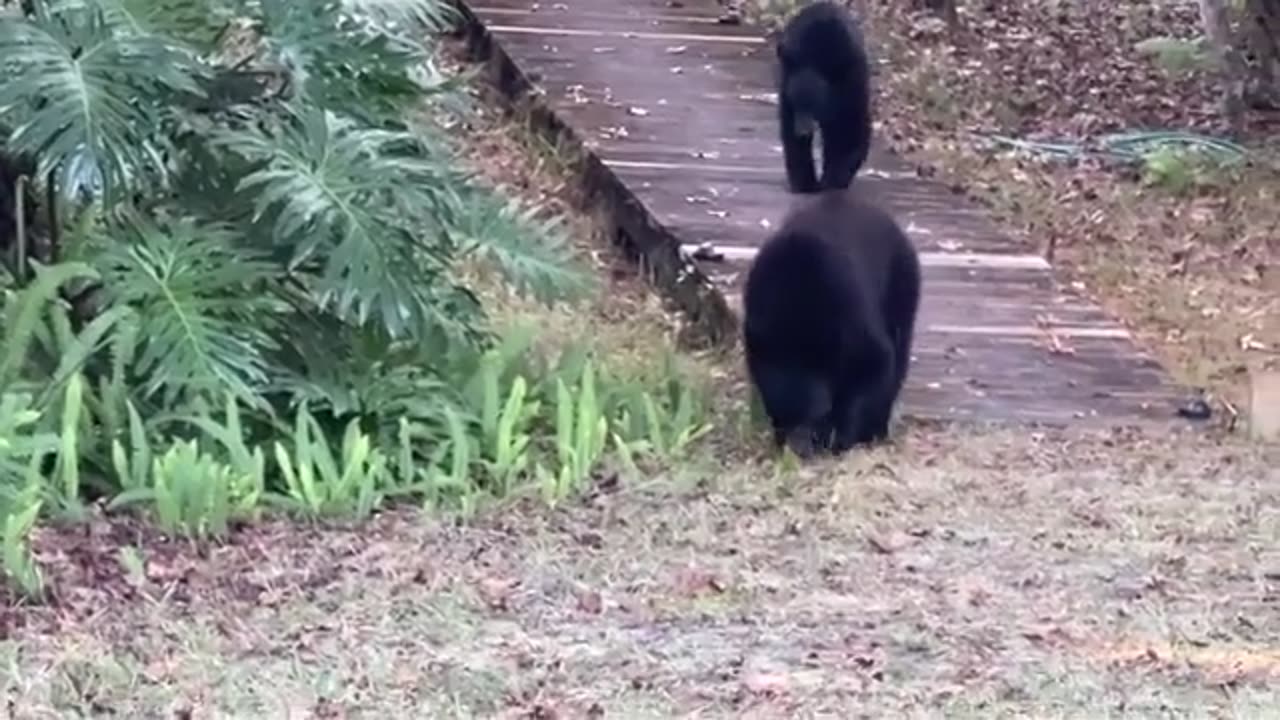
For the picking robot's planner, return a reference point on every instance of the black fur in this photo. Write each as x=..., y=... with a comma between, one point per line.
x=829, y=311
x=823, y=80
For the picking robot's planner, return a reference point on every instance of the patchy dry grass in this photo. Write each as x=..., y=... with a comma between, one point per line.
x=960, y=573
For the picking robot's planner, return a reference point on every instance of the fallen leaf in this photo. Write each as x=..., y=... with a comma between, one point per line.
x=692, y=581
x=887, y=543
x=766, y=683
x=590, y=601
x=496, y=593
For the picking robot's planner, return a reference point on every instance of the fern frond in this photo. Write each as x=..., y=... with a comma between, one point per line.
x=344, y=62
x=80, y=347
x=363, y=205
x=202, y=311
x=92, y=97
x=352, y=371
x=532, y=253
x=194, y=21
x=411, y=16
x=25, y=311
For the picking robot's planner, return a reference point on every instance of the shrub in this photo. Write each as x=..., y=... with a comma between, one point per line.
x=239, y=212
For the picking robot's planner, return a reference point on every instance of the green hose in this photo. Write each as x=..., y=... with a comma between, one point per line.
x=1131, y=145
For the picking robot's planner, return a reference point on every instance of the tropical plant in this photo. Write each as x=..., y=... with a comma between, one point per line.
x=249, y=208
x=241, y=207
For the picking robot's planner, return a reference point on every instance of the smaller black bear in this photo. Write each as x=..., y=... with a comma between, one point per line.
x=829, y=311
x=823, y=80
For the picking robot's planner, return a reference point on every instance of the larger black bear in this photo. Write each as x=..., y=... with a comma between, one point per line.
x=823, y=80
x=829, y=311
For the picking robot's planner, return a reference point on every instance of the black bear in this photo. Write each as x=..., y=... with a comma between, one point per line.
x=823, y=80
x=829, y=311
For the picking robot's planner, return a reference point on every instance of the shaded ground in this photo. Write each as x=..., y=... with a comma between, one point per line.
x=963, y=573
x=1190, y=259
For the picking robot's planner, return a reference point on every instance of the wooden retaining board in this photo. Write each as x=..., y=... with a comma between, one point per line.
x=678, y=110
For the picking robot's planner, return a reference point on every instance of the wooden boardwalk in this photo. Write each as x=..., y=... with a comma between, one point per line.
x=676, y=112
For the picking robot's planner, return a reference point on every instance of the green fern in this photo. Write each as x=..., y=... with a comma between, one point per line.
x=194, y=21
x=291, y=249
x=345, y=61
x=90, y=97
x=201, y=307
x=24, y=445
x=408, y=16
x=24, y=316
x=359, y=202
x=532, y=254
x=343, y=371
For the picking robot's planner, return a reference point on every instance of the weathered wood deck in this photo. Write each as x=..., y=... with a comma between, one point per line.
x=677, y=114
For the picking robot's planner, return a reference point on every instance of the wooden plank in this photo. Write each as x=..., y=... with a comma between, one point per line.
x=621, y=34
x=492, y=13
x=678, y=116
x=927, y=259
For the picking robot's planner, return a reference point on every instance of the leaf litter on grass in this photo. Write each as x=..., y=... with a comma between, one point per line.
x=1183, y=252
x=1074, y=574
x=960, y=573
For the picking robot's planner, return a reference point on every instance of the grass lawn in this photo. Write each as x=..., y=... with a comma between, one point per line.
x=961, y=572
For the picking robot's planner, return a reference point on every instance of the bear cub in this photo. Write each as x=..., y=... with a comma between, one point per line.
x=823, y=83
